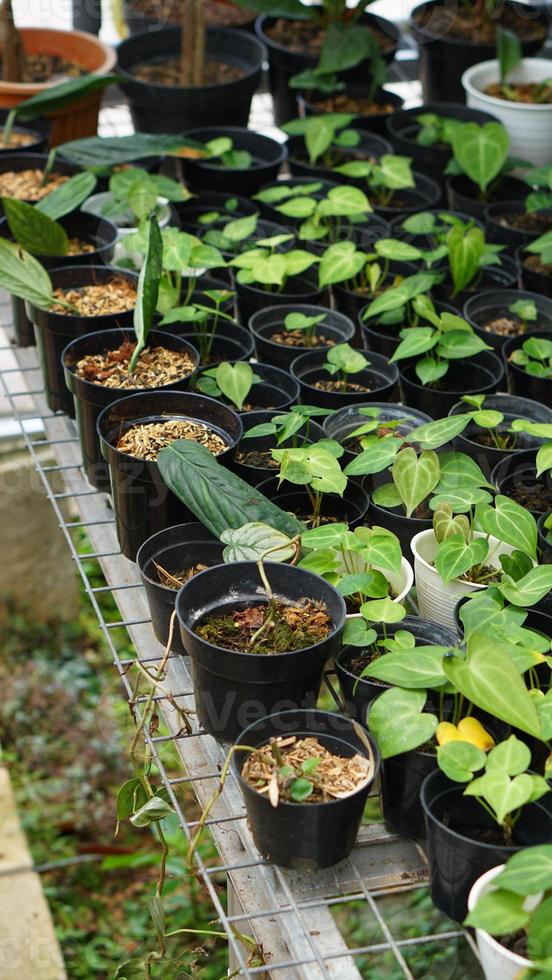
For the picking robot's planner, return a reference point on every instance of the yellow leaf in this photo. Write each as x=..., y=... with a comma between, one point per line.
x=471, y=730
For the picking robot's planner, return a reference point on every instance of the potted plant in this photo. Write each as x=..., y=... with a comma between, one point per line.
x=246, y=388
x=357, y=427
x=515, y=223
x=237, y=161
x=526, y=476
x=342, y=375
x=266, y=277
x=479, y=169
x=175, y=79
x=283, y=332
x=267, y=430
x=502, y=809
x=33, y=137
x=517, y=91
x=536, y=267
x=317, y=770
x=516, y=944
x=165, y=562
x=455, y=557
x=398, y=308
x=528, y=362
x=261, y=630
x=503, y=313
x=371, y=104
x=470, y=264
x=318, y=144
x=30, y=177
x=452, y=39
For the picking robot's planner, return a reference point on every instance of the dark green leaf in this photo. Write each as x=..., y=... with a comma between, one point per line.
x=34, y=231
x=148, y=288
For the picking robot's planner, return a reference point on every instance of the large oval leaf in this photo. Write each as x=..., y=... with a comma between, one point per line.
x=510, y=522
x=24, y=276
x=34, y=231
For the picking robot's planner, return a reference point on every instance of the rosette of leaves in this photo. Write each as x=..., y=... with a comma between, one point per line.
x=319, y=215
x=268, y=269
x=221, y=149
x=314, y=467
x=447, y=337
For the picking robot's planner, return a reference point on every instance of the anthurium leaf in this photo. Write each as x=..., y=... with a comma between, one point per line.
x=430, y=370
x=415, y=476
x=454, y=557
x=499, y=912
x=148, y=288
x=383, y=551
x=383, y=611
x=416, y=341
x=488, y=678
x=340, y=262
x=539, y=933
x=376, y=458
x=67, y=197
x=530, y=589
x=325, y=536
x=433, y=435
x=34, y=231
x=465, y=249
x=461, y=500
x=511, y=756
x=130, y=798
x=215, y=495
x=234, y=381
x=459, y=760
x=369, y=583
x=460, y=343
x=254, y=541
x=460, y=470
x=481, y=151
x=418, y=668
x=387, y=496
x=25, y=277
x=398, y=723
x=503, y=794
x=446, y=525
x=528, y=871
x=510, y=522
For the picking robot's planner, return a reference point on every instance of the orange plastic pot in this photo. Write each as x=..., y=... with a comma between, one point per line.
x=79, y=119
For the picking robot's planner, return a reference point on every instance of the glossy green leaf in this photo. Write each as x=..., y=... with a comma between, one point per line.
x=460, y=760
x=67, y=197
x=398, y=723
x=498, y=912
x=481, y=151
x=255, y=541
x=415, y=476
x=455, y=557
x=528, y=871
x=148, y=289
x=510, y=522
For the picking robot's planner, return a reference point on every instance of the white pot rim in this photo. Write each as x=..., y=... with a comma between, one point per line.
x=423, y=535
x=477, y=889
x=407, y=572
x=471, y=88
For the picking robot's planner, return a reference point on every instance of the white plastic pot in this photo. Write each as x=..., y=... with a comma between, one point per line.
x=529, y=126
x=99, y=204
x=401, y=584
x=497, y=962
x=437, y=601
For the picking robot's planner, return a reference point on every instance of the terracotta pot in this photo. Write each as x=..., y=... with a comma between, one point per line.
x=79, y=119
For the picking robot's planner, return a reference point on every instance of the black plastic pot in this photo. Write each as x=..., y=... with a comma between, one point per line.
x=350, y=508
x=537, y=282
x=512, y=407
x=519, y=381
x=481, y=306
x=456, y=859
x=306, y=836
x=298, y=289
x=367, y=148
x=384, y=338
x=464, y=195
x=375, y=123
x=90, y=399
x=428, y=240
x=381, y=377
x=39, y=129
x=233, y=689
x=230, y=342
x=424, y=196
x=191, y=210
x=358, y=694
x=545, y=543
x=257, y=474
x=173, y=109
x=501, y=233
x=494, y=277
x=205, y=175
x=284, y=63
x=32, y=161
x=334, y=327
x=276, y=390
x=444, y=58
x=341, y=423
x=351, y=303
x=142, y=502
x=482, y=374
x=87, y=227
x=402, y=129
x=55, y=330
x=174, y=549
x=518, y=473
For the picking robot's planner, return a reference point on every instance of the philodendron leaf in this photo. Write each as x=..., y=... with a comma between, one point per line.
x=383, y=611
x=455, y=557
x=530, y=589
x=398, y=723
x=67, y=197
x=481, y=151
x=148, y=289
x=433, y=435
x=528, y=872
x=465, y=249
x=34, y=231
x=488, y=678
x=234, y=381
x=254, y=541
x=415, y=476
x=23, y=276
x=215, y=495
x=459, y=760
x=504, y=795
x=418, y=668
x=511, y=523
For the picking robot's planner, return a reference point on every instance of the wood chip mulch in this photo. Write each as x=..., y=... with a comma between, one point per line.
x=145, y=441
x=26, y=185
x=157, y=366
x=116, y=296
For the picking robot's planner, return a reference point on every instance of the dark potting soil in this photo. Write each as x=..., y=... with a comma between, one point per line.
x=166, y=71
x=485, y=438
x=342, y=386
x=174, y=11
x=348, y=103
x=147, y=439
x=516, y=942
x=50, y=68
x=268, y=627
x=297, y=338
x=175, y=580
x=532, y=93
x=461, y=23
x=531, y=221
x=534, y=263
x=260, y=458
x=27, y=185
x=484, y=835
x=538, y=498
x=156, y=366
x=331, y=776
x=306, y=37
